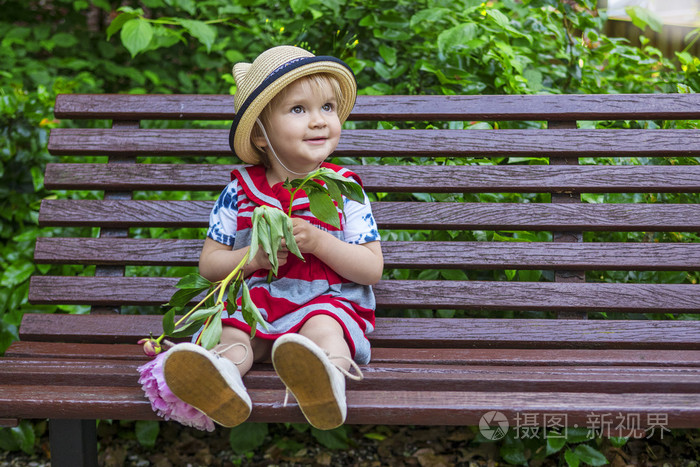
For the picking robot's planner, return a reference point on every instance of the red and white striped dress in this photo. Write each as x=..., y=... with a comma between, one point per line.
x=302, y=289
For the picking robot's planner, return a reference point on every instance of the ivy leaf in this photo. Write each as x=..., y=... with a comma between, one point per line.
x=136, y=34
x=323, y=208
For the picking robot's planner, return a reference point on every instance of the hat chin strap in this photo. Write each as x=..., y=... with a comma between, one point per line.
x=267, y=140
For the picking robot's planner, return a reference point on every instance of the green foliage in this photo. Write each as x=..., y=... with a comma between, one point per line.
x=248, y=437
x=22, y=437
x=147, y=432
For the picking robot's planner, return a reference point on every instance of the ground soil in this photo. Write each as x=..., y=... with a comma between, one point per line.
x=370, y=446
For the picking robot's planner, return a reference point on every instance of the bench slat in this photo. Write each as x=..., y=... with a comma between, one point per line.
x=468, y=295
x=415, y=254
x=485, y=107
x=412, y=179
x=402, y=294
x=366, y=407
x=483, y=356
x=412, y=333
x=397, y=215
x=395, y=143
x=379, y=376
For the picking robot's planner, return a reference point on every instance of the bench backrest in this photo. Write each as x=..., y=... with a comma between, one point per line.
x=456, y=227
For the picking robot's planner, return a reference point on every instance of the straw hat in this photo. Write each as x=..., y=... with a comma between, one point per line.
x=259, y=82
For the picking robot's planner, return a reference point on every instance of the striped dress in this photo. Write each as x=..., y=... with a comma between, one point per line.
x=302, y=289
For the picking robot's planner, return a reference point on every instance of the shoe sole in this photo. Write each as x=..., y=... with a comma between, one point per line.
x=305, y=376
x=186, y=373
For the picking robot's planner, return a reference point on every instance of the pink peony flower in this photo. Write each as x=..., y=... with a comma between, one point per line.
x=164, y=402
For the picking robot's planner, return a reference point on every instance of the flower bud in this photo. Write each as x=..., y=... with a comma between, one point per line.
x=151, y=347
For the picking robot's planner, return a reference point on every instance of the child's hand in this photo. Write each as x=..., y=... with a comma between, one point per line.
x=261, y=261
x=306, y=235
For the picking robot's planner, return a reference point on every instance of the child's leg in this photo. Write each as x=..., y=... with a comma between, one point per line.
x=328, y=334
x=243, y=355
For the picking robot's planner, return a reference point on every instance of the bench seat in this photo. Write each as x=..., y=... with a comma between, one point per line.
x=522, y=275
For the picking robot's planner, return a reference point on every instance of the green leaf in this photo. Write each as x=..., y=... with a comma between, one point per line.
x=118, y=22
x=555, y=444
x=169, y=322
x=193, y=281
x=17, y=273
x=500, y=19
x=147, y=432
x=187, y=329
x=590, y=455
x=571, y=458
x=299, y=6
x=247, y=437
x=136, y=34
x=291, y=241
x=618, y=441
x=212, y=333
x=204, y=33
x=233, y=290
x=205, y=313
x=21, y=437
x=643, y=17
x=332, y=439
x=388, y=54
x=182, y=297
x=250, y=312
x=322, y=207
x=577, y=435
x=456, y=37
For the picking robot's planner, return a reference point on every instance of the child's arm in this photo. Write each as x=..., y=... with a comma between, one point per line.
x=218, y=260
x=362, y=264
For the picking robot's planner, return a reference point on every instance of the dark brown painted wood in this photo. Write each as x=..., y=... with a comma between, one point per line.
x=416, y=255
x=397, y=215
x=413, y=333
x=436, y=356
x=487, y=107
x=423, y=178
x=466, y=295
x=401, y=143
x=367, y=407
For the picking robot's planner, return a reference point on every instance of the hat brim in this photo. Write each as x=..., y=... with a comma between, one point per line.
x=244, y=120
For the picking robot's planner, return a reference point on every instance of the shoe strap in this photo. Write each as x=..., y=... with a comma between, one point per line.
x=358, y=377
x=217, y=351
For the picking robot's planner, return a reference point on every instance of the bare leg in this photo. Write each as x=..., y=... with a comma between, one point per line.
x=255, y=349
x=325, y=332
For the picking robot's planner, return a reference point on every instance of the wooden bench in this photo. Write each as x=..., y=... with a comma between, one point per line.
x=522, y=348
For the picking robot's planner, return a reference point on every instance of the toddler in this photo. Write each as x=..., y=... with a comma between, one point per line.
x=290, y=106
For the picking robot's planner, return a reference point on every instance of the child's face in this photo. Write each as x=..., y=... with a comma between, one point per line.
x=304, y=128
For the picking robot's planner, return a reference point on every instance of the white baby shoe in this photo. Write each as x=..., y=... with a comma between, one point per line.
x=317, y=383
x=209, y=382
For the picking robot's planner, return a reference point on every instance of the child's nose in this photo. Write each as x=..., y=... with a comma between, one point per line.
x=317, y=120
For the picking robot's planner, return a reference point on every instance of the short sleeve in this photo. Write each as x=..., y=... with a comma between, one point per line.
x=223, y=217
x=359, y=226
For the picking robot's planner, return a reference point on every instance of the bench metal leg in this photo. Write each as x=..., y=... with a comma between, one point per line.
x=73, y=443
